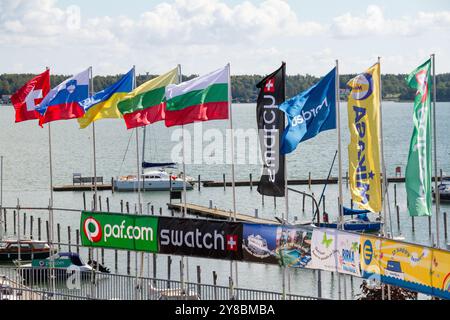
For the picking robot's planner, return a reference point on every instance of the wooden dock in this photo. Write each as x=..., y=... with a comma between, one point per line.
x=194, y=209
x=82, y=187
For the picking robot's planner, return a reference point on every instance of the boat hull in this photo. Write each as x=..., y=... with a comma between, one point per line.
x=164, y=185
x=26, y=256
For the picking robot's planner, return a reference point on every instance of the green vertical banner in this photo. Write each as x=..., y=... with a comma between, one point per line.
x=418, y=170
x=119, y=231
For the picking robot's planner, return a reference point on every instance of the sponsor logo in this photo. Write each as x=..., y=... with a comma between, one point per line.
x=362, y=87
x=196, y=239
x=92, y=229
x=367, y=252
x=305, y=116
x=270, y=86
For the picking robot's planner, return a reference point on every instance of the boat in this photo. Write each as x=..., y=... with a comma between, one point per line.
x=359, y=224
x=65, y=263
x=444, y=190
x=29, y=250
x=257, y=245
x=152, y=180
x=394, y=270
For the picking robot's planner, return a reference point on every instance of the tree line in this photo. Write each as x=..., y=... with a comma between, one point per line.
x=244, y=86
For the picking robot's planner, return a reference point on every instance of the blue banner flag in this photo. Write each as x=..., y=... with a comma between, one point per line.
x=309, y=113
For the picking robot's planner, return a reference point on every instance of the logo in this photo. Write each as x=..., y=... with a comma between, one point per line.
x=92, y=230
x=71, y=86
x=362, y=86
x=327, y=242
x=270, y=86
x=305, y=116
x=367, y=252
x=232, y=241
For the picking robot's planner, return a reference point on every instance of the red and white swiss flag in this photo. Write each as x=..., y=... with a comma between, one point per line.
x=232, y=242
x=28, y=98
x=270, y=86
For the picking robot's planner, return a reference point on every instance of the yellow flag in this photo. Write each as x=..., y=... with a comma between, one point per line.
x=364, y=150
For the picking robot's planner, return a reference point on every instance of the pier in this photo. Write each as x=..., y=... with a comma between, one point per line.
x=194, y=209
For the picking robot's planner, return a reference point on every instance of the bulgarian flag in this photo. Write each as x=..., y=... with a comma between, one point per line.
x=201, y=99
x=146, y=104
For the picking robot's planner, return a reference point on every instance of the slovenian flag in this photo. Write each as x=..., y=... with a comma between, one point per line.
x=63, y=102
x=103, y=105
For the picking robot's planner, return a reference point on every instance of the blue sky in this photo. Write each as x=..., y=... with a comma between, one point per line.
x=203, y=35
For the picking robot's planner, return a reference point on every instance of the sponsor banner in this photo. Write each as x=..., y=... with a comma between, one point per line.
x=440, y=273
x=363, y=150
x=271, y=125
x=348, y=259
x=119, y=231
x=283, y=245
x=200, y=238
x=324, y=250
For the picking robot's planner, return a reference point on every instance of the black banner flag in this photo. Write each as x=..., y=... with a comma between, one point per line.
x=271, y=124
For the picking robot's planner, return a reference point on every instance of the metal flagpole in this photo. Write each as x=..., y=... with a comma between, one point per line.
x=341, y=214
x=233, y=171
x=50, y=212
x=1, y=198
x=436, y=186
x=285, y=217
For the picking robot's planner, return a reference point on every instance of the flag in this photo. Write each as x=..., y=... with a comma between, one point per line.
x=271, y=125
x=418, y=170
x=27, y=98
x=201, y=99
x=103, y=105
x=63, y=102
x=146, y=104
x=363, y=150
x=310, y=113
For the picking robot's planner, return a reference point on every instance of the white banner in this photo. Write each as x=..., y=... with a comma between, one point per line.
x=324, y=250
x=348, y=253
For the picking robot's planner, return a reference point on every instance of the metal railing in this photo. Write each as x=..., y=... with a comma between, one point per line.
x=15, y=284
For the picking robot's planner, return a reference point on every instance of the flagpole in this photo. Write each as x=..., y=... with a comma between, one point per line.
x=285, y=216
x=233, y=171
x=436, y=186
x=91, y=93
x=341, y=214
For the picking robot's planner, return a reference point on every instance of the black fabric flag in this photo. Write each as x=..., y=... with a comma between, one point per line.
x=271, y=124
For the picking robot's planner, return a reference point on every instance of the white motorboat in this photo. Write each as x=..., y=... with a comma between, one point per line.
x=444, y=190
x=257, y=245
x=152, y=180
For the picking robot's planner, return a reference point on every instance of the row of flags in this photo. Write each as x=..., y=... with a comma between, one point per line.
x=160, y=99
x=314, y=111
x=205, y=98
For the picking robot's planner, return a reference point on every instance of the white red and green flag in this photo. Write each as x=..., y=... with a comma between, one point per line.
x=146, y=104
x=201, y=99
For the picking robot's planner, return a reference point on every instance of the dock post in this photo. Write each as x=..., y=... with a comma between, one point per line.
x=77, y=240
x=445, y=225
x=152, y=210
x=154, y=265
x=14, y=215
x=160, y=211
x=251, y=182
x=169, y=265
x=121, y=206
x=84, y=201
x=116, y=261
x=319, y=283
x=309, y=181
x=199, y=183
x=128, y=207
x=303, y=203
x=48, y=231
x=224, y=183
x=275, y=202
x=312, y=203
x=24, y=224
x=100, y=202
x=128, y=263
x=346, y=179
x=412, y=224
x=199, y=281
x=429, y=225
x=107, y=204
x=58, y=227
x=4, y=220
x=395, y=194
x=398, y=217
x=31, y=227
x=112, y=185
x=69, y=240
x=39, y=229
x=323, y=203
x=215, y=284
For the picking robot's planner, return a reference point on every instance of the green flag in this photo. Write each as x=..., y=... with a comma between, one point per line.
x=418, y=170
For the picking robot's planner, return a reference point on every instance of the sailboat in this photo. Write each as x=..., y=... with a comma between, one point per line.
x=154, y=177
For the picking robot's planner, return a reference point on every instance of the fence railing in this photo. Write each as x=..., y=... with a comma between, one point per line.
x=33, y=284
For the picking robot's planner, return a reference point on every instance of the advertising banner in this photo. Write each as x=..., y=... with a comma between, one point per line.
x=440, y=273
x=348, y=246
x=324, y=250
x=200, y=238
x=283, y=245
x=119, y=231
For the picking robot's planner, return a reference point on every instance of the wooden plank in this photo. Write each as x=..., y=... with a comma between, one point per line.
x=194, y=209
x=83, y=187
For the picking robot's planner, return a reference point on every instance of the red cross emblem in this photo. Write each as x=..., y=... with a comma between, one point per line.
x=270, y=86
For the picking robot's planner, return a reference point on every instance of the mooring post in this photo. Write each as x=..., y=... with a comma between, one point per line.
x=152, y=210
x=14, y=225
x=84, y=201
x=48, y=231
x=128, y=263
x=199, y=183
x=199, y=281
x=121, y=206
x=251, y=182
x=112, y=185
x=445, y=225
x=116, y=261
x=346, y=179
x=224, y=183
x=160, y=211
x=58, y=227
x=77, y=240
x=323, y=203
x=128, y=207
x=303, y=203
x=275, y=202
x=100, y=202
x=398, y=217
x=309, y=181
x=169, y=265
x=215, y=284
x=69, y=240
x=154, y=265
x=312, y=203
x=107, y=204
x=24, y=224
x=412, y=224
x=319, y=283
x=4, y=220
x=395, y=194
x=39, y=229
x=429, y=225
x=31, y=227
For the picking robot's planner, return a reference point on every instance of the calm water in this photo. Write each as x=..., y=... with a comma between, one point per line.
x=25, y=150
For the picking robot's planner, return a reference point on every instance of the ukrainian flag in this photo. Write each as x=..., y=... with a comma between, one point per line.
x=103, y=105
